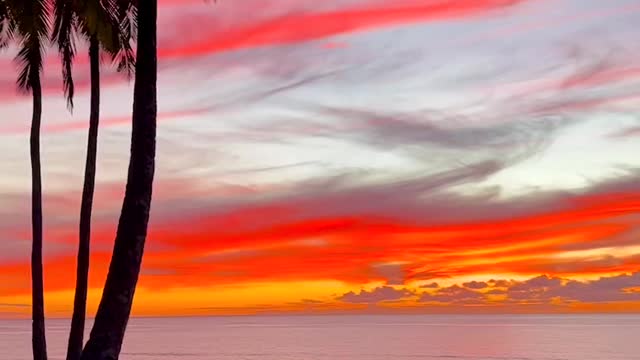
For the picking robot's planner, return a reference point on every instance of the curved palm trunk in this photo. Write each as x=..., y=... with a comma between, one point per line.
x=111, y=320
x=76, y=335
x=38, y=339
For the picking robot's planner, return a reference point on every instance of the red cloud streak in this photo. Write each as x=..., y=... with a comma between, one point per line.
x=272, y=243
x=311, y=26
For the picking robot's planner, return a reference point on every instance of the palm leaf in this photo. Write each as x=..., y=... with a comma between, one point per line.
x=125, y=14
x=7, y=25
x=31, y=26
x=64, y=24
x=113, y=22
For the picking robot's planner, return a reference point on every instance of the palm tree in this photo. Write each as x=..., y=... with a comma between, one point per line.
x=100, y=26
x=113, y=313
x=27, y=21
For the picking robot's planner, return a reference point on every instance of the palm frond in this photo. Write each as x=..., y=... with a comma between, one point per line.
x=111, y=21
x=29, y=59
x=125, y=57
x=31, y=27
x=7, y=25
x=64, y=24
x=125, y=14
x=7, y=32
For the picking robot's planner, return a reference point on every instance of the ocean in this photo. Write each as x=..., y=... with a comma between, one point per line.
x=424, y=337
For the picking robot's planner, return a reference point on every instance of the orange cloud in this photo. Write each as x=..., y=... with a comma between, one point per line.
x=291, y=242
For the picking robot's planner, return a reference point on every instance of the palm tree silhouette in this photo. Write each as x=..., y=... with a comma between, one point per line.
x=27, y=21
x=98, y=23
x=113, y=313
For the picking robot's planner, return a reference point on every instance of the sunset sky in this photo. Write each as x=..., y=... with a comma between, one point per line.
x=405, y=156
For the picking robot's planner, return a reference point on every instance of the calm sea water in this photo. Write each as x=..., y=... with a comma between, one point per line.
x=597, y=337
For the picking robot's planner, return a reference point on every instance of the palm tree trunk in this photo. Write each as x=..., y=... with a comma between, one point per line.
x=113, y=313
x=76, y=335
x=38, y=339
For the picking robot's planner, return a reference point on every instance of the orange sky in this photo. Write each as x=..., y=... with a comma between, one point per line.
x=276, y=258
x=428, y=156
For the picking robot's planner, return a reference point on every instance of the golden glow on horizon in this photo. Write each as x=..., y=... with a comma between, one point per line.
x=292, y=297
